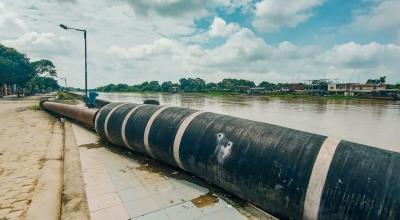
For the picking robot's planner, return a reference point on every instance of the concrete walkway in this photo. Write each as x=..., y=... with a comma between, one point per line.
x=30, y=160
x=122, y=185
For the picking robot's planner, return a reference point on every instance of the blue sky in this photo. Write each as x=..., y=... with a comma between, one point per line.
x=131, y=41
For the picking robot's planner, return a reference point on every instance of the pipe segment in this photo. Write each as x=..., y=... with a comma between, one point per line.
x=80, y=113
x=288, y=173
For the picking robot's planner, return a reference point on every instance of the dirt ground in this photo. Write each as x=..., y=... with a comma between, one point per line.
x=25, y=136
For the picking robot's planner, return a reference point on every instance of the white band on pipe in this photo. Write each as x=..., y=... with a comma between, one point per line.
x=147, y=130
x=97, y=117
x=179, y=135
x=107, y=118
x=318, y=178
x=123, y=128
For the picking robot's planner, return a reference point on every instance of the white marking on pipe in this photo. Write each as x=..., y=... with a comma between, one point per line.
x=123, y=128
x=223, y=149
x=106, y=121
x=179, y=135
x=318, y=178
x=97, y=117
x=147, y=130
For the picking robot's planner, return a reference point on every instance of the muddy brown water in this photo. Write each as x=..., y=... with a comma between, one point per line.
x=371, y=122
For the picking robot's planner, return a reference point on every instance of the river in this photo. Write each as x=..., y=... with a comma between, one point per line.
x=370, y=122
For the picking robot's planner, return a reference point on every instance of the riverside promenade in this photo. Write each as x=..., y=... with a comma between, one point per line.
x=31, y=144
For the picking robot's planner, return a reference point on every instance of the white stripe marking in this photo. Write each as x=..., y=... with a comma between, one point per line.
x=179, y=135
x=318, y=178
x=97, y=117
x=123, y=128
x=106, y=121
x=147, y=130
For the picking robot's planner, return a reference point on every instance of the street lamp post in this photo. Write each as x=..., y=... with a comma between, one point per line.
x=84, y=36
x=65, y=82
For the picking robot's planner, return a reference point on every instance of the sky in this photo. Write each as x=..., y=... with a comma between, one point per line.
x=131, y=41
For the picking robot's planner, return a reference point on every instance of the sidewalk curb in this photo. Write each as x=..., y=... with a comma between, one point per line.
x=46, y=200
x=74, y=202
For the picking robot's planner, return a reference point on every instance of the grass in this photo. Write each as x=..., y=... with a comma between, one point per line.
x=68, y=96
x=35, y=107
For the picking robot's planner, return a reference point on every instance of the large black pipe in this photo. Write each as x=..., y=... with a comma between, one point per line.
x=289, y=173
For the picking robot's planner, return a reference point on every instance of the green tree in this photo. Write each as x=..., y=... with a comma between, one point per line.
x=192, y=85
x=166, y=86
x=46, y=84
x=212, y=86
x=267, y=85
x=154, y=86
x=381, y=79
x=14, y=67
x=44, y=68
x=230, y=84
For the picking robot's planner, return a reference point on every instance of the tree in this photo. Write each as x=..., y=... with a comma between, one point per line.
x=192, y=85
x=381, y=79
x=44, y=68
x=14, y=67
x=267, y=85
x=154, y=86
x=46, y=84
x=231, y=84
x=212, y=86
x=166, y=86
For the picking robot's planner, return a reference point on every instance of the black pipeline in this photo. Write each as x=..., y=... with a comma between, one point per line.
x=288, y=173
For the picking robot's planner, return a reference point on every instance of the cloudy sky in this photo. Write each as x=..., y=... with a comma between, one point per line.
x=131, y=41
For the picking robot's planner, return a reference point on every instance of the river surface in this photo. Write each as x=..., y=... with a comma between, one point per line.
x=371, y=122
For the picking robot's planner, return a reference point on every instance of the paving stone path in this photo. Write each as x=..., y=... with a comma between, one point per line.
x=24, y=138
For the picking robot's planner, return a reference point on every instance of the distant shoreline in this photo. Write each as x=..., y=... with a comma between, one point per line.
x=281, y=96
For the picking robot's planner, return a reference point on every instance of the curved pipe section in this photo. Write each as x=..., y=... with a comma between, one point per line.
x=288, y=173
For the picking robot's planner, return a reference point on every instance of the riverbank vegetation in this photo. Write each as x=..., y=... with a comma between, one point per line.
x=234, y=87
x=190, y=85
x=28, y=77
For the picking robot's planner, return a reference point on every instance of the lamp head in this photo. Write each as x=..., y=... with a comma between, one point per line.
x=64, y=27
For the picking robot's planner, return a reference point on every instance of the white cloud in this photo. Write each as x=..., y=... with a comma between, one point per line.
x=10, y=21
x=40, y=44
x=383, y=16
x=219, y=28
x=162, y=46
x=357, y=56
x=246, y=55
x=271, y=15
x=185, y=8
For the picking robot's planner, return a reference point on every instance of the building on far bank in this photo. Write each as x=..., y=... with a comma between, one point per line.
x=257, y=91
x=360, y=89
x=242, y=89
x=292, y=87
x=174, y=89
x=317, y=86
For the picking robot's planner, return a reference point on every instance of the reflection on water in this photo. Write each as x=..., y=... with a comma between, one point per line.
x=372, y=122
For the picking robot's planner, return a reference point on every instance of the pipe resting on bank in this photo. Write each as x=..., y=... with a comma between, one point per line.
x=289, y=173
